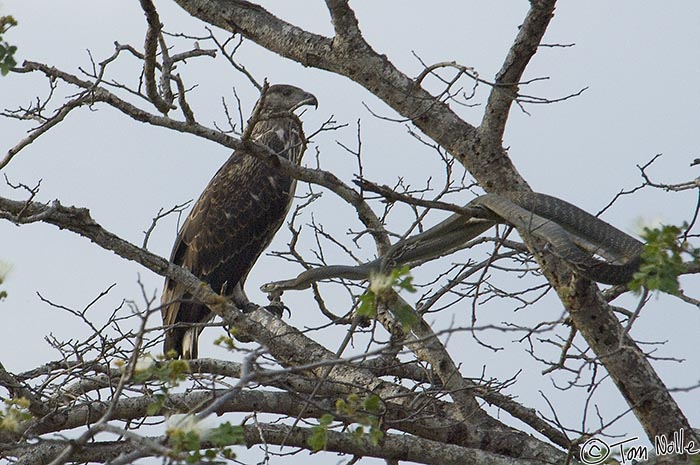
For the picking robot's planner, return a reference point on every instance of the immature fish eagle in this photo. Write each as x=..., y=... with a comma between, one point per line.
x=236, y=217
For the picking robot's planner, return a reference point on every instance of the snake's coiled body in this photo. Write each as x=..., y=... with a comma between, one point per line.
x=574, y=235
x=567, y=228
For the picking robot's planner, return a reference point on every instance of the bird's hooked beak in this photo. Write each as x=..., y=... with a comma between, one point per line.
x=309, y=99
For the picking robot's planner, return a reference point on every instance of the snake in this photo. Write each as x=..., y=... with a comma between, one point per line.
x=571, y=233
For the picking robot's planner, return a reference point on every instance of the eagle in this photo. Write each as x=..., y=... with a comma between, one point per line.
x=235, y=217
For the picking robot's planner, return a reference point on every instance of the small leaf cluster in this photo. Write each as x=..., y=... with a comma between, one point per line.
x=662, y=259
x=190, y=442
x=226, y=434
x=167, y=371
x=7, y=51
x=227, y=342
x=170, y=373
x=381, y=289
x=364, y=412
x=4, y=268
x=15, y=412
x=318, y=439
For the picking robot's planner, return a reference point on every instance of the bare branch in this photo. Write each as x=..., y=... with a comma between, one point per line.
x=45, y=127
x=159, y=216
x=519, y=56
x=229, y=57
x=151, y=48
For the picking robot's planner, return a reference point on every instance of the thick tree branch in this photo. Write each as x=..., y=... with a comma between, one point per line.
x=294, y=383
x=505, y=88
x=392, y=447
x=344, y=21
x=425, y=344
x=17, y=390
x=627, y=364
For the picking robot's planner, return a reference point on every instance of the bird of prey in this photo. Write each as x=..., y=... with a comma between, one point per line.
x=236, y=217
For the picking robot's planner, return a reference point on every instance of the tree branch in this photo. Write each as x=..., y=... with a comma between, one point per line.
x=44, y=127
x=505, y=89
x=150, y=49
x=344, y=21
x=391, y=447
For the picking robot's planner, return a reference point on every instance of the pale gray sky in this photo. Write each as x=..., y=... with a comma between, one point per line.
x=639, y=61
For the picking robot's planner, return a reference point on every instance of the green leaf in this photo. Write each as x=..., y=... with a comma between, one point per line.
x=14, y=413
x=7, y=61
x=226, y=434
x=6, y=22
x=4, y=269
x=372, y=403
x=407, y=317
x=375, y=435
x=342, y=407
x=226, y=342
x=175, y=371
x=368, y=305
x=662, y=260
x=358, y=432
x=190, y=441
x=155, y=406
x=402, y=278
x=194, y=457
x=318, y=439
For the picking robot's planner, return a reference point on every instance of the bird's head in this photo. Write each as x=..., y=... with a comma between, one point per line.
x=283, y=98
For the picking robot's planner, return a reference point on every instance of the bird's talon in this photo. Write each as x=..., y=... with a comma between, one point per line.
x=250, y=307
x=277, y=309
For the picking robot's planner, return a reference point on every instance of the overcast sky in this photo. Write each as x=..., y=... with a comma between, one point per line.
x=639, y=61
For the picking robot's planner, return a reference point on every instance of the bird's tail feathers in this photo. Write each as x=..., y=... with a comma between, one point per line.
x=189, y=343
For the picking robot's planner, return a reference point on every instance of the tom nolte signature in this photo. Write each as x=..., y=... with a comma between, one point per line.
x=596, y=451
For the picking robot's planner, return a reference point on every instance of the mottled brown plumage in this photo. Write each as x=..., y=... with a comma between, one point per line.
x=235, y=218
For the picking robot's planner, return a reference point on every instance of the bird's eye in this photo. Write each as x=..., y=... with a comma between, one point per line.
x=287, y=92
